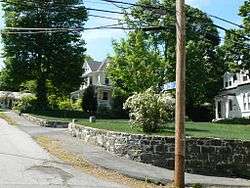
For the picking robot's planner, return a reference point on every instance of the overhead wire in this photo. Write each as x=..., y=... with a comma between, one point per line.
x=144, y=6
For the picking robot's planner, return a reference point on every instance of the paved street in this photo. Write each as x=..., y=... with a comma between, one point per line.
x=24, y=164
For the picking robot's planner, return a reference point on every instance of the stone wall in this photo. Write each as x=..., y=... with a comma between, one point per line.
x=208, y=156
x=46, y=123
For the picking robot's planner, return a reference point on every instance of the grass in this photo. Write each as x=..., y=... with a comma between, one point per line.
x=194, y=129
x=7, y=118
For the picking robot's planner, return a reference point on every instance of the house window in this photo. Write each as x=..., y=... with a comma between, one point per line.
x=105, y=96
x=248, y=100
x=245, y=78
x=230, y=105
x=226, y=84
x=230, y=83
x=106, y=81
x=234, y=77
x=244, y=102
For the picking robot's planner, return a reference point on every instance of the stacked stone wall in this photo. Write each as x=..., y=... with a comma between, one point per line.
x=208, y=156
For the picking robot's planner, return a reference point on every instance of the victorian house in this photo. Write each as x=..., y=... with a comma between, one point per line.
x=94, y=73
x=233, y=101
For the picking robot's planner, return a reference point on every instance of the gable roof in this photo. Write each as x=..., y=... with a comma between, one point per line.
x=94, y=65
x=103, y=66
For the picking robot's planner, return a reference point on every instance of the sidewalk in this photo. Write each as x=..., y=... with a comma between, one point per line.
x=99, y=157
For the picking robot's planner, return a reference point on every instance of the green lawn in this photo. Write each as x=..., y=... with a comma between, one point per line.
x=195, y=129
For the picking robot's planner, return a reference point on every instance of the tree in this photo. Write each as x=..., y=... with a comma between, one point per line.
x=135, y=67
x=56, y=57
x=203, y=53
x=89, y=100
x=236, y=46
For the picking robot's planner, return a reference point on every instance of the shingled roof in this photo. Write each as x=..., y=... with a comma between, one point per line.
x=94, y=65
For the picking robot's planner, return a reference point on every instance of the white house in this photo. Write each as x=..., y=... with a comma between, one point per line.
x=94, y=73
x=8, y=98
x=234, y=99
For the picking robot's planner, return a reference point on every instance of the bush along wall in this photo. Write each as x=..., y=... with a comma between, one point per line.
x=208, y=156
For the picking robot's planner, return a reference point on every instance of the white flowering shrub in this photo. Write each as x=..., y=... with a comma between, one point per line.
x=150, y=110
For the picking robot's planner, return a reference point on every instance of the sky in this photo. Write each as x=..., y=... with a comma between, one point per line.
x=99, y=42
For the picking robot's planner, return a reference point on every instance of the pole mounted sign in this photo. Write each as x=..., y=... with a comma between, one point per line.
x=169, y=86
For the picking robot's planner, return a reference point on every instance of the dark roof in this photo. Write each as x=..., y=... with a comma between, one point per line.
x=94, y=65
x=103, y=65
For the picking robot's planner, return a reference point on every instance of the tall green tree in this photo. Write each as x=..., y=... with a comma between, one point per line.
x=237, y=42
x=135, y=66
x=43, y=57
x=89, y=100
x=204, y=66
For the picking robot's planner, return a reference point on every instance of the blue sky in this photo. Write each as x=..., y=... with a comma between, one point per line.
x=99, y=42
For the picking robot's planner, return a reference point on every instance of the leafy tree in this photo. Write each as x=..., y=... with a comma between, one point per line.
x=88, y=58
x=135, y=67
x=129, y=72
x=56, y=57
x=89, y=100
x=236, y=46
x=29, y=86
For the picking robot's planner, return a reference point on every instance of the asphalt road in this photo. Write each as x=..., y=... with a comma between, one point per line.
x=24, y=164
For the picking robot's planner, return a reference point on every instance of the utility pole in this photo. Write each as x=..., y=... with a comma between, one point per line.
x=180, y=95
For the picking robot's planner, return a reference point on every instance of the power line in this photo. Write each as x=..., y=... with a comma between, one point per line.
x=104, y=17
x=106, y=11
x=227, y=21
x=144, y=6
x=162, y=9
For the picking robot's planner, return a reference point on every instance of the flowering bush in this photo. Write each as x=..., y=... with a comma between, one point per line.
x=150, y=110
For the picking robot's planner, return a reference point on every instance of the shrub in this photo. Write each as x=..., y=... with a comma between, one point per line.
x=26, y=103
x=65, y=104
x=77, y=105
x=150, y=110
x=89, y=100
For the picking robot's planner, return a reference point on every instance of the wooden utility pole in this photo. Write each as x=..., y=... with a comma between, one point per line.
x=180, y=95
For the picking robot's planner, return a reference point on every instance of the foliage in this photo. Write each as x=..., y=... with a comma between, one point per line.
x=65, y=104
x=236, y=46
x=150, y=110
x=88, y=58
x=89, y=100
x=77, y=105
x=56, y=57
x=26, y=103
x=28, y=86
x=147, y=58
x=135, y=67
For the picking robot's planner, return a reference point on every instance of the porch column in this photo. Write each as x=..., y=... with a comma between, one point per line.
x=216, y=110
